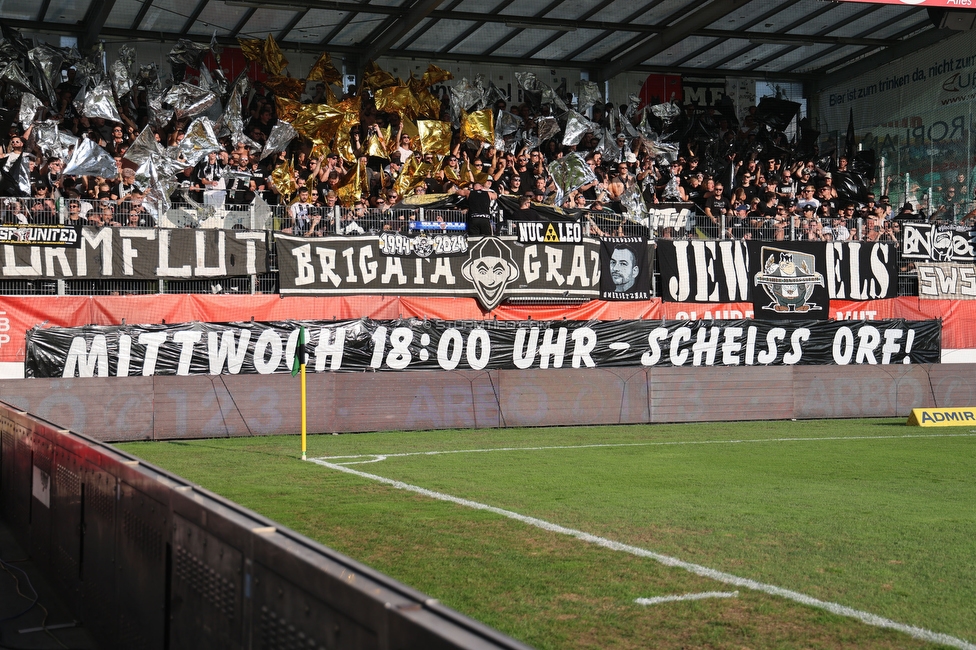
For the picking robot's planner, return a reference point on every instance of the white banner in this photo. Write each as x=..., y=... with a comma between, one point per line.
x=946, y=281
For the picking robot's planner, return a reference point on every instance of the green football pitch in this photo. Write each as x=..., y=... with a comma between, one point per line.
x=816, y=534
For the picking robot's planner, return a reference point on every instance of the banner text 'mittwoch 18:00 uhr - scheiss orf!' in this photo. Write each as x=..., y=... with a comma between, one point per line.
x=415, y=344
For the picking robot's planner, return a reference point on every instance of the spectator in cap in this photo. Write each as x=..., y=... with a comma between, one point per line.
x=739, y=222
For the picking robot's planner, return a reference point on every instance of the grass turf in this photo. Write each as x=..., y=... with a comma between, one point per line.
x=882, y=524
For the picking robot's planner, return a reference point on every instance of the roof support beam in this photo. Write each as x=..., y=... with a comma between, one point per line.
x=42, y=11
x=875, y=61
x=552, y=39
x=143, y=10
x=675, y=33
x=241, y=23
x=416, y=13
x=833, y=64
x=471, y=30
x=193, y=16
x=549, y=22
x=283, y=34
x=98, y=13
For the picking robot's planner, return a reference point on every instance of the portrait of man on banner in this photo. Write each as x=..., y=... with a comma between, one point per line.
x=625, y=273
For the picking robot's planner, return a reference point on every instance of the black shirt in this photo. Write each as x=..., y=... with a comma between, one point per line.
x=479, y=203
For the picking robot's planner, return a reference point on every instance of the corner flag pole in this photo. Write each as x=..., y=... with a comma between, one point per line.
x=298, y=366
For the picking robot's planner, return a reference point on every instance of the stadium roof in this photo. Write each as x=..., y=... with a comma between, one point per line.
x=782, y=39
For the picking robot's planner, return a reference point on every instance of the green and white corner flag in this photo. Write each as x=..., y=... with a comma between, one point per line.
x=298, y=366
x=301, y=356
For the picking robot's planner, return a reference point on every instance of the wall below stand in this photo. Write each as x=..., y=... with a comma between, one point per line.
x=158, y=408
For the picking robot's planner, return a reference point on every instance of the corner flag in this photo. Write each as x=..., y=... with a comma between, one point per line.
x=298, y=366
x=301, y=356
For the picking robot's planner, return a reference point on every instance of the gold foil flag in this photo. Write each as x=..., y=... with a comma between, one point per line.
x=283, y=179
x=265, y=52
x=374, y=147
x=287, y=108
x=435, y=75
x=435, y=137
x=397, y=99
x=479, y=126
x=285, y=87
x=318, y=122
x=376, y=77
x=324, y=70
x=274, y=61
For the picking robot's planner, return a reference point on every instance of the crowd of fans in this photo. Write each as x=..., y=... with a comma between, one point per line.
x=745, y=180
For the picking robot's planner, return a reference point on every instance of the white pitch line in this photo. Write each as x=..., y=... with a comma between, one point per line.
x=375, y=458
x=657, y=600
x=697, y=569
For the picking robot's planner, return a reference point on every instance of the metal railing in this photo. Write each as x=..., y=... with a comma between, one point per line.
x=321, y=221
x=149, y=560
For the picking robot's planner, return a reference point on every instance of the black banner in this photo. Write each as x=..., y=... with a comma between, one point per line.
x=626, y=274
x=548, y=232
x=931, y=243
x=789, y=284
x=142, y=253
x=41, y=235
x=413, y=344
x=494, y=268
x=694, y=270
x=727, y=270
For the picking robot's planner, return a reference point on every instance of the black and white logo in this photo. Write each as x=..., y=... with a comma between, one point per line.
x=490, y=269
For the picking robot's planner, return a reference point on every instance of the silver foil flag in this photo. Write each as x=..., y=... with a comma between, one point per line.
x=157, y=187
x=608, y=145
x=576, y=127
x=12, y=73
x=121, y=80
x=88, y=159
x=146, y=175
x=99, y=102
x=215, y=83
x=550, y=96
x=189, y=100
x=53, y=142
x=158, y=115
x=546, y=127
x=494, y=94
x=633, y=101
x=231, y=123
x=466, y=94
x=187, y=52
x=589, y=95
x=145, y=147
x=628, y=128
x=531, y=141
x=121, y=71
x=506, y=124
x=47, y=61
x=199, y=140
x=659, y=149
x=633, y=202
x=29, y=105
x=671, y=191
x=282, y=133
x=570, y=173
x=667, y=112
